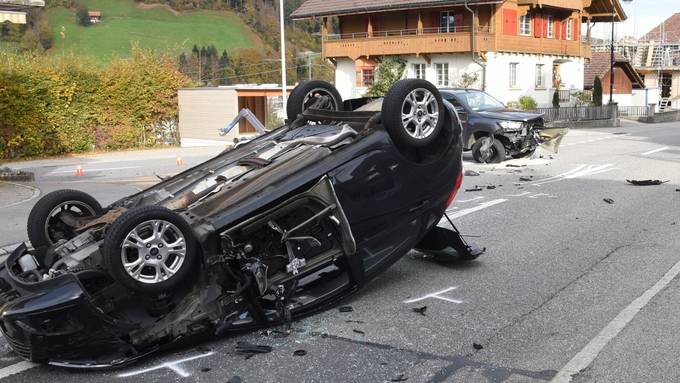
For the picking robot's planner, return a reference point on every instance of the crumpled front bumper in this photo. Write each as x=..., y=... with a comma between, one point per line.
x=55, y=321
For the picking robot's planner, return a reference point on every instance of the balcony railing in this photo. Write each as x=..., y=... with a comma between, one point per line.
x=406, y=32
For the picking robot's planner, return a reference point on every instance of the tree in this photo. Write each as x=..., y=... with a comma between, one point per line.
x=597, y=91
x=389, y=71
x=556, y=99
x=82, y=15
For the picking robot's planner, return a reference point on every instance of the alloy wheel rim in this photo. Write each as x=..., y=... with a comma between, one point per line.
x=420, y=113
x=153, y=251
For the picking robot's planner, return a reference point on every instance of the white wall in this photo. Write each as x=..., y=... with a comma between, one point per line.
x=345, y=78
x=459, y=64
x=498, y=76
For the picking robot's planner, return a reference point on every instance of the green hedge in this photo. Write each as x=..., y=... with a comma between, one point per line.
x=50, y=107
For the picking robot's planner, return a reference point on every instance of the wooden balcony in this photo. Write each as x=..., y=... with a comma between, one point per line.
x=406, y=42
x=530, y=44
x=565, y=4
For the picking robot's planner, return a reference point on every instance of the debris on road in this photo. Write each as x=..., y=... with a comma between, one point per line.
x=471, y=173
x=526, y=179
x=249, y=350
x=206, y=369
x=359, y=332
x=204, y=350
x=399, y=378
x=646, y=182
x=609, y=201
x=420, y=310
x=300, y=353
x=355, y=321
x=490, y=187
x=477, y=346
x=345, y=309
x=515, y=166
x=474, y=189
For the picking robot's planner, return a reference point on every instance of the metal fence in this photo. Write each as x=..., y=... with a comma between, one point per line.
x=578, y=113
x=633, y=111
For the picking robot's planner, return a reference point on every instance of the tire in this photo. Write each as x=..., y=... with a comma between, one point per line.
x=304, y=94
x=497, y=150
x=159, y=266
x=44, y=229
x=420, y=102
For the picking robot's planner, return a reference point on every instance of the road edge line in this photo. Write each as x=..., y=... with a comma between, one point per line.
x=590, y=352
x=16, y=368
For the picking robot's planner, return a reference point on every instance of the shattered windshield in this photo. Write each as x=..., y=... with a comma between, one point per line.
x=480, y=101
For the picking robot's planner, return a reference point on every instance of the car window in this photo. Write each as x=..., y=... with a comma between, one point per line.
x=480, y=101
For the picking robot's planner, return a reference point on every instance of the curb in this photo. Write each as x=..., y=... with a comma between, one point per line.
x=18, y=177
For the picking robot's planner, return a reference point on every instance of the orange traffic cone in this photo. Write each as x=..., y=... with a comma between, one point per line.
x=179, y=161
x=79, y=171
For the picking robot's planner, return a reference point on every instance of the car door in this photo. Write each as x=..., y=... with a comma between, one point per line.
x=463, y=114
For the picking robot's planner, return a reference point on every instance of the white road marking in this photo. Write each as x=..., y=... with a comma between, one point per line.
x=86, y=170
x=578, y=172
x=519, y=195
x=437, y=295
x=472, y=199
x=479, y=207
x=655, y=151
x=169, y=365
x=36, y=194
x=588, y=354
x=16, y=368
x=535, y=196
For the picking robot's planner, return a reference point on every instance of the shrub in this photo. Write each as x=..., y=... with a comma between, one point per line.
x=389, y=71
x=82, y=16
x=50, y=107
x=556, y=99
x=527, y=103
x=512, y=104
x=597, y=91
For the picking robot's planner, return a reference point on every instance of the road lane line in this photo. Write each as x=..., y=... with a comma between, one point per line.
x=655, y=151
x=16, y=368
x=588, y=354
x=173, y=366
x=94, y=170
x=479, y=207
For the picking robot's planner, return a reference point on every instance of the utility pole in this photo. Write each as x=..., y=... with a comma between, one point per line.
x=283, y=54
x=611, y=63
x=309, y=66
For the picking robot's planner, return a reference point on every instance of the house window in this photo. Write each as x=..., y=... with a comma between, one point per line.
x=513, y=74
x=540, y=76
x=446, y=22
x=367, y=77
x=442, y=74
x=525, y=25
x=419, y=71
x=551, y=27
x=569, y=24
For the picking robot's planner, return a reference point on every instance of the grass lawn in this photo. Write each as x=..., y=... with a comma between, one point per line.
x=124, y=23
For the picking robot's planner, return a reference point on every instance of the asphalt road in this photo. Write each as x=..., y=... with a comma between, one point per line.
x=569, y=283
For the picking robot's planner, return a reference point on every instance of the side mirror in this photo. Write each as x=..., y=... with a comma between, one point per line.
x=462, y=114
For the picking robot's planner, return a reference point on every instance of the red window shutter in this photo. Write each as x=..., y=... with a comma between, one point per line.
x=556, y=30
x=544, y=22
x=538, y=23
x=576, y=33
x=564, y=29
x=458, y=22
x=510, y=22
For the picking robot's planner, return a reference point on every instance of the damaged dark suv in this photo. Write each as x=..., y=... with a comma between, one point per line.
x=493, y=132
x=275, y=229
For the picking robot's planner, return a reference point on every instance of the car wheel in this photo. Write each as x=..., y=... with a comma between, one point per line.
x=307, y=93
x=413, y=112
x=150, y=249
x=484, y=151
x=45, y=228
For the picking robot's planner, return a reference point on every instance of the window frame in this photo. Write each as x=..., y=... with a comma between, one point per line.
x=421, y=70
x=450, y=24
x=440, y=75
x=525, y=21
x=539, y=76
x=570, y=27
x=364, y=75
x=550, y=33
x=512, y=75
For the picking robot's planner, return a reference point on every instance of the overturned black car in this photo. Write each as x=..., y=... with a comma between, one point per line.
x=275, y=229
